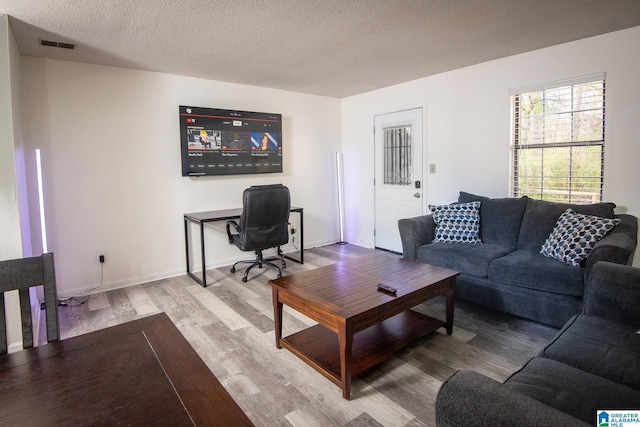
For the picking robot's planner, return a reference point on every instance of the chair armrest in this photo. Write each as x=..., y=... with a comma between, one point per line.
x=613, y=292
x=415, y=232
x=470, y=399
x=237, y=229
x=618, y=246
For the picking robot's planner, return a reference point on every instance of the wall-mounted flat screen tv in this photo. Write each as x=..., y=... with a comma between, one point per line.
x=229, y=142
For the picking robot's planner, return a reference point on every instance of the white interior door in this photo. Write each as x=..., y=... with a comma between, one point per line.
x=398, y=174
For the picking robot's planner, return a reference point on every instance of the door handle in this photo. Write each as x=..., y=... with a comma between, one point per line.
x=417, y=195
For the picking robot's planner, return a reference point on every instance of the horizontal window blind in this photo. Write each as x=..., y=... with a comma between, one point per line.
x=558, y=142
x=558, y=83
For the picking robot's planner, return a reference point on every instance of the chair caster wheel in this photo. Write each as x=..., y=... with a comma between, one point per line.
x=233, y=269
x=244, y=279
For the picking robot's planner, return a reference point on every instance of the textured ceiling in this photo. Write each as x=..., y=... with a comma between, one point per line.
x=326, y=47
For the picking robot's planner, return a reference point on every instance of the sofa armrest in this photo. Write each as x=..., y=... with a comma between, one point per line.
x=471, y=399
x=415, y=232
x=613, y=292
x=617, y=246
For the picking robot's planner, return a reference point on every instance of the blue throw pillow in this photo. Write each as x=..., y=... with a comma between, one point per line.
x=575, y=235
x=457, y=223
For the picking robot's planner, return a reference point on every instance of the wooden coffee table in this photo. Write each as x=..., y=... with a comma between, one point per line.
x=358, y=325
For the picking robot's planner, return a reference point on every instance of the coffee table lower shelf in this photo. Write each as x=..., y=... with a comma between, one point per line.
x=319, y=346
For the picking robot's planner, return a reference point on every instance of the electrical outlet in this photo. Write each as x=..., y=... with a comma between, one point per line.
x=101, y=258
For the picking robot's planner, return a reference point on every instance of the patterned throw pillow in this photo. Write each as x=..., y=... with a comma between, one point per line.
x=575, y=235
x=458, y=223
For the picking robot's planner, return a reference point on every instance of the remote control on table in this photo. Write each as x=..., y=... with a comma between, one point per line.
x=387, y=288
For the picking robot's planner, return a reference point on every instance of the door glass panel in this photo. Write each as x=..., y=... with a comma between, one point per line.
x=397, y=155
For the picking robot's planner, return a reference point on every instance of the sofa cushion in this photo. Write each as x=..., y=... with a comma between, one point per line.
x=467, y=259
x=470, y=399
x=458, y=223
x=540, y=218
x=602, y=347
x=575, y=235
x=534, y=271
x=571, y=390
x=500, y=219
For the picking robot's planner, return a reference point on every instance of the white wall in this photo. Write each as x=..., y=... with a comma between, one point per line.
x=10, y=243
x=468, y=124
x=11, y=236
x=110, y=142
x=112, y=171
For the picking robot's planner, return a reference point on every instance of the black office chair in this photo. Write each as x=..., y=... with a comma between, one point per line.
x=263, y=224
x=22, y=274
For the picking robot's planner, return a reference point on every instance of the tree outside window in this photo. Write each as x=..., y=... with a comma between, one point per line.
x=558, y=143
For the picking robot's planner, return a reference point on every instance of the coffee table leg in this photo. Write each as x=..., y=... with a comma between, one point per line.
x=451, y=299
x=345, y=338
x=277, y=317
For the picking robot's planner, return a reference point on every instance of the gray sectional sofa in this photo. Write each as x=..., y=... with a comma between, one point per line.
x=592, y=364
x=506, y=271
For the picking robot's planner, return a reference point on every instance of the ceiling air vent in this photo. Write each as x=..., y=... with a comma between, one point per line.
x=61, y=45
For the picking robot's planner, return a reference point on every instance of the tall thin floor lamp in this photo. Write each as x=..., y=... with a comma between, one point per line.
x=339, y=179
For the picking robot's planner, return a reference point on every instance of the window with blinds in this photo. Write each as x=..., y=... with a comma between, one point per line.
x=397, y=155
x=558, y=142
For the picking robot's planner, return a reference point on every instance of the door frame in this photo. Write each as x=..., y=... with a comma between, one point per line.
x=425, y=166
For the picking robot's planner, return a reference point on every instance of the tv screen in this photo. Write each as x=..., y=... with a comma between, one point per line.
x=229, y=142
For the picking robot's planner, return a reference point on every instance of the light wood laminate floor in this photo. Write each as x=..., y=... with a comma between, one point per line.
x=230, y=324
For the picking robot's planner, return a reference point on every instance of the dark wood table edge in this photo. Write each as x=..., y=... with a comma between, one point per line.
x=200, y=392
x=74, y=343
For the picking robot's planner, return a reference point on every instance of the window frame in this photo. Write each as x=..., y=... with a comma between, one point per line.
x=518, y=147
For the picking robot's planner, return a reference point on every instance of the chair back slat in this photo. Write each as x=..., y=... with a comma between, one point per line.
x=25, y=313
x=21, y=275
x=50, y=298
x=3, y=327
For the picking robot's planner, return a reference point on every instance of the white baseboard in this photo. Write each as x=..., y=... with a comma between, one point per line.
x=109, y=286
x=196, y=269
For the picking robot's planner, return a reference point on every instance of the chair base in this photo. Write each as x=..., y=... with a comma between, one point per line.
x=259, y=261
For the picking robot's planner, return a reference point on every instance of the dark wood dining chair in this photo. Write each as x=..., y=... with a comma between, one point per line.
x=21, y=275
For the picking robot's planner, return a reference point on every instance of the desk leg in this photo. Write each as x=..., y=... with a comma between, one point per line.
x=204, y=263
x=186, y=244
x=450, y=301
x=301, y=250
x=345, y=338
x=301, y=238
x=277, y=317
